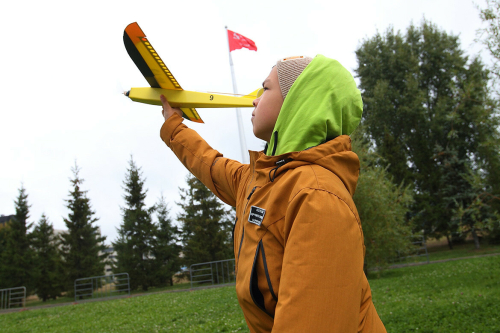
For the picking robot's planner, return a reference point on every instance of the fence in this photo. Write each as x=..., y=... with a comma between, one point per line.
x=210, y=272
x=11, y=297
x=102, y=286
x=419, y=251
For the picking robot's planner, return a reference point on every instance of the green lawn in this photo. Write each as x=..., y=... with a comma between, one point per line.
x=435, y=253
x=459, y=251
x=456, y=296
x=63, y=299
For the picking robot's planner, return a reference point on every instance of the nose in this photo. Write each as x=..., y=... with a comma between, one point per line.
x=256, y=101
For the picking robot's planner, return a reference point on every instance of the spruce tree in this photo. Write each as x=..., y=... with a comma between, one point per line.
x=134, y=247
x=83, y=245
x=429, y=113
x=17, y=258
x=166, y=250
x=49, y=283
x=4, y=228
x=4, y=235
x=206, y=229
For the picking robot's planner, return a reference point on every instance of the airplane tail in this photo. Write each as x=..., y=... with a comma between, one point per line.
x=253, y=94
x=191, y=114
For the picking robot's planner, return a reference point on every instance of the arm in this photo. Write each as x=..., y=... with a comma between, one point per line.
x=322, y=273
x=219, y=174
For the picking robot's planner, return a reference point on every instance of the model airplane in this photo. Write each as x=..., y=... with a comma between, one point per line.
x=163, y=82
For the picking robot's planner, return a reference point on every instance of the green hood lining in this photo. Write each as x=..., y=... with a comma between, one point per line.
x=322, y=104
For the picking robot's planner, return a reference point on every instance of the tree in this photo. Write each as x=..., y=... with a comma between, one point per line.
x=49, y=283
x=83, y=245
x=4, y=230
x=428, y=111
x=166, y=250
x=17, y=258
x=383, y=207
x=134, y=247
x=490, y=35
x=206, y=230
x=479, y=215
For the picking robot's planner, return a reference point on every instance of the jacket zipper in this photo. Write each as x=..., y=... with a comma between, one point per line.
x=248, y=200
x=255, y=293
x=234, y=226
x=249, y=196
x=243, y=231
x=241, y=242
x=268, y=278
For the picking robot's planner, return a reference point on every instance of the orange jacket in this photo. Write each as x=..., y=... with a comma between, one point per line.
x=298, y=241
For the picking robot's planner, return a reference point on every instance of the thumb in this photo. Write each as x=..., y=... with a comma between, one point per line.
x=164, y=102
x=167, y=109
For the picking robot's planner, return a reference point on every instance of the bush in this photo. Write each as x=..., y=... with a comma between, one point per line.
x=382, y=207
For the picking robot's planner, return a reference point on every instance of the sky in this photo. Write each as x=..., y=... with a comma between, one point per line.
x=63, y=68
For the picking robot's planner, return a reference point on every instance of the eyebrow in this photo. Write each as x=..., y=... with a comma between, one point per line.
x=263, y=83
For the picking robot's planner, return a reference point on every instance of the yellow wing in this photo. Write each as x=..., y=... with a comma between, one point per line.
x=154, y=70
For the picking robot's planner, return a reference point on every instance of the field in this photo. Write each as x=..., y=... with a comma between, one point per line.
x=438, y=250
x=455, y=296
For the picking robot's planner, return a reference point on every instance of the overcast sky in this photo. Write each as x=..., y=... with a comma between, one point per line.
x=63, y=67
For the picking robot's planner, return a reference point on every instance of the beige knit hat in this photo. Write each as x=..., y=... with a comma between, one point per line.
x=289, y=70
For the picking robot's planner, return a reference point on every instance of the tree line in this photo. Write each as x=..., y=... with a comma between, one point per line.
x=151, y=252
x=149, y=247
x=45, y=263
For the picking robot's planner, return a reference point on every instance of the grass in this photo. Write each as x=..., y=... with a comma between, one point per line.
x=437, y=251
x=455, y=296
x=36, y=302
x=209, y=310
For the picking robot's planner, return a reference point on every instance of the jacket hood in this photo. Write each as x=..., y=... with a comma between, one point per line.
x=322, y=104
x=335, y=155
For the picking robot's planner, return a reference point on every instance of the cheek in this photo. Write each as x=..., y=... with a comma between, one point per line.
x=275, y=108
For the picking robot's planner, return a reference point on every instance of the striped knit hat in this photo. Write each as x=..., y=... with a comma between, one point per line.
x=289, y=70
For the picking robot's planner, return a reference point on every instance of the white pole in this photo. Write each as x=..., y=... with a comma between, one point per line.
x=243, y=144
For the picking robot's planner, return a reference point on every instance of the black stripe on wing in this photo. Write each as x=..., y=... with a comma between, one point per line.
x=136, y=57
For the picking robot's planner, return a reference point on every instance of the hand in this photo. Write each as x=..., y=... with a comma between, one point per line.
x=167, y=109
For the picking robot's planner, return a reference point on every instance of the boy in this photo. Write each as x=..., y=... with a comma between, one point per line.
x=298, y=241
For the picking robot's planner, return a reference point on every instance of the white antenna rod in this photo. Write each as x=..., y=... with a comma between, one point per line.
x=243, y=144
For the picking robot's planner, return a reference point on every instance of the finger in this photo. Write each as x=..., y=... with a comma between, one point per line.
x=164, y=102
x=165, y=105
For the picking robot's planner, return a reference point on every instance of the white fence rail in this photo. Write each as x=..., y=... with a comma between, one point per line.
x=12, y=297
x=215, y=272
x=102, y=286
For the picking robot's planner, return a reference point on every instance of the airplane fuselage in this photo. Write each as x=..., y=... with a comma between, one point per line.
x=189, y=99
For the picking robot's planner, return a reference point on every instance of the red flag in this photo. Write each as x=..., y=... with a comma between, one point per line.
x=237, y=41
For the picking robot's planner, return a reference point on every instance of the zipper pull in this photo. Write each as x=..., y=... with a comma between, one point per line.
x=283, y=161
x=253, y=190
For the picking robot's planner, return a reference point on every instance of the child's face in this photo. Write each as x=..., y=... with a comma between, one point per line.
x=267, y=107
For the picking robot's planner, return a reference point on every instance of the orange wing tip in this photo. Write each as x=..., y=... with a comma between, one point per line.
x=135, y=33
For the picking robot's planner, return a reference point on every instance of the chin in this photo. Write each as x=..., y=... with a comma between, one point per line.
x=257, y=135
